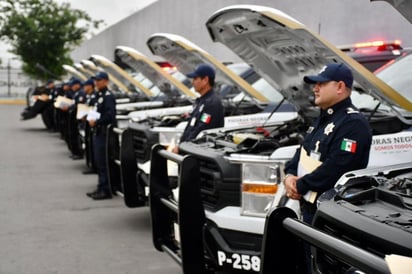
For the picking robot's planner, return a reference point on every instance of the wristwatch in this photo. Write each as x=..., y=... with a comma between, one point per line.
x=287, y=175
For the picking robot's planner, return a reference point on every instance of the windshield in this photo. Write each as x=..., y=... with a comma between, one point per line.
x=398, y=76
x=147, y=84
x=267, y=90
x=239, y=69
x=181, y=78
x=365, y=101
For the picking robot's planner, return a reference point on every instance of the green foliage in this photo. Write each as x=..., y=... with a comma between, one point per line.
x=42, y=32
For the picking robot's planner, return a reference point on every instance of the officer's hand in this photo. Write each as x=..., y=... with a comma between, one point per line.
x=92, y=123
x=175, y=149
x=290, y=186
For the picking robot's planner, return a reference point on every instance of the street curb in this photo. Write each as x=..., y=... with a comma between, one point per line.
x=12, y=101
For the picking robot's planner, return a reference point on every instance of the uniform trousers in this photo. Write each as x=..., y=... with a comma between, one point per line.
x=99, y=151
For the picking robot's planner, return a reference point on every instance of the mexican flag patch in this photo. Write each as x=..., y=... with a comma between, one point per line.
x=348, y=145
x=205, y=118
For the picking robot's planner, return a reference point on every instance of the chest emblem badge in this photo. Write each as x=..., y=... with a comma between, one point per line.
x=329, y=128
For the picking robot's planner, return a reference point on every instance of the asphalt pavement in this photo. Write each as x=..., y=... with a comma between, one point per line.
x=49, y=225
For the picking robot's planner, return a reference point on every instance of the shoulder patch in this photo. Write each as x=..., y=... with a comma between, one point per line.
x=348, y=145
x=351, y=110
x=206, y=118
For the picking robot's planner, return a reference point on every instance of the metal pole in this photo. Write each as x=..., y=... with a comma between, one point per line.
x=8, y=78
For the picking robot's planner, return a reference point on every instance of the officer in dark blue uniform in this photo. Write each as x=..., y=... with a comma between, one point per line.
x=208, y=111
x=106, y=107
x=48, y=113
x=74, y=142
x=91, y=100
x=61, y=115
x=337, y=142
x=88, y=87
x=41, y=95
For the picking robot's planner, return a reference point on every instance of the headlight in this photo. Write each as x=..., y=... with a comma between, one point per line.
x=123, y=123
x=259, y=186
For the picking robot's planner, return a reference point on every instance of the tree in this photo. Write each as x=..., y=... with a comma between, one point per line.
x=43, y=33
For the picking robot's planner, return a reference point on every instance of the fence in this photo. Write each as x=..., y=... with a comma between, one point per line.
x=13, y=83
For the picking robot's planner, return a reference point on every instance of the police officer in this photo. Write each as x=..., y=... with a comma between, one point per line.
x=208, y=111
x=74, y=142
x=88, y=87
x=48, y=113
x=337, y=142
x=41, y=96
x=61, y=116
x=106, y=107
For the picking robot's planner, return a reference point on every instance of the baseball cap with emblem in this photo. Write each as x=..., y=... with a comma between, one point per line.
x=88, y=82
x=75, y=81
x=202, y=71
x=101, y=75
x=332, y=72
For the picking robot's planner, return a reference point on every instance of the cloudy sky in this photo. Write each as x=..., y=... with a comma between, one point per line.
x=111, y=11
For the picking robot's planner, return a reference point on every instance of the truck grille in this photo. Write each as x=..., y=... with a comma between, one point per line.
x=217, y=190
x=143, y=140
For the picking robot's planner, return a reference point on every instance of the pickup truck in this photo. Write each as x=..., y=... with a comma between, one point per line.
x=362, y=225
x=148, y=127
x=212, y=220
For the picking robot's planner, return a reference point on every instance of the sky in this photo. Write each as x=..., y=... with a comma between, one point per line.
x=111, y=11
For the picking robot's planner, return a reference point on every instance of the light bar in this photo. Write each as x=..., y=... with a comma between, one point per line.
x=377, y=43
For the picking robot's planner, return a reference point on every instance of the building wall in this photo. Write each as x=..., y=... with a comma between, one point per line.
x=339, y=21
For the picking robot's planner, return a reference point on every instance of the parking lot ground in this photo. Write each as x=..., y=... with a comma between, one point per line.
x=49, y=225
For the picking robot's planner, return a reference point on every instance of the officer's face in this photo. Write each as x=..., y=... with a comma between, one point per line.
x=75, y=87
x=100, y=83
x=88, y=89
x=329, y=93
x=201, y=84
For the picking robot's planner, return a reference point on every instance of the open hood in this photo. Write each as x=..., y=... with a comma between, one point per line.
x=403, y=6
x=86, y=72
x=140, y=63
x=186, y=56
x=283, y=51
x=114, y=82
x=119, y=73
x=74, y=72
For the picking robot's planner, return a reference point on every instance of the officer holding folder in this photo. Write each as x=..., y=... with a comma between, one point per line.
x=99, y=120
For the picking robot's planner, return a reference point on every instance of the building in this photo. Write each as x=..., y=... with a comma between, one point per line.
x=340, y=22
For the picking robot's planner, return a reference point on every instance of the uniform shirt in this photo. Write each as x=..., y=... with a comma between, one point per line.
x=56, y=92
x=69, y=94
x=207, y=113
x=91, y=99
x=340, y=138
x=106, y=105
x=79, y=97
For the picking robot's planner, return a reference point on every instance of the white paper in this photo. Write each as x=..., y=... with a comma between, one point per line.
x=93, y=115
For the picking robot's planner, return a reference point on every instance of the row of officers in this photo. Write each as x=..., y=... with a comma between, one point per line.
x=60, y=108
